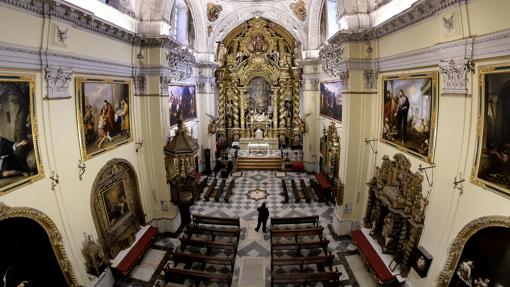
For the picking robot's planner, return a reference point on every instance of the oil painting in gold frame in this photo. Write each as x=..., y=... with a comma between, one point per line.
x=409, y=113
x=331, y=100
x=103, y=114
x=20, y=161
x=491, y=169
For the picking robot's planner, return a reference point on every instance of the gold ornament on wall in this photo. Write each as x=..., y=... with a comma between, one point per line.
x=213, y=11
x=299, y=9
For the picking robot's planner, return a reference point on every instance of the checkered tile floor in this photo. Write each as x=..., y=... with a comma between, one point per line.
x=246, y=209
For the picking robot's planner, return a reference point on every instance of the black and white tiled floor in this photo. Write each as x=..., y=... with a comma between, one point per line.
x=255, y=244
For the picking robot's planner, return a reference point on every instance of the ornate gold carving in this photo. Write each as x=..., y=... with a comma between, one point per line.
x=460, y=241
x=213, y=11
x=330, y=150
x=120, y=235
x=52, y=231
x=259, y=49
x=299, y=9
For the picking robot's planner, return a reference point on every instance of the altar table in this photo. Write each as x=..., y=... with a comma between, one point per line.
x=258, y=147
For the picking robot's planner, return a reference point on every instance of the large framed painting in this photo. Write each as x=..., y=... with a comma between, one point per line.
x=181, y=98
x=115, y=203
x=491, y=169
x=410, y=107
x=331, y=100
x=103, y=111
x=19, y=147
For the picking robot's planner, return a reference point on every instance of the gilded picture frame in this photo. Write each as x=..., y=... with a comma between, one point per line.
x=20, y=162
x=115, y=202
x=103, y=111
x=492, y=141
x=409, y=113
x=331, y=101
x=182, y=97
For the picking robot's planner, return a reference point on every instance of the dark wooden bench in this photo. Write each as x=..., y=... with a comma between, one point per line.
x=210, y=190
x=204, y=219
x=298, y=246
x=213, y=232
x=189, y=259
x=306, y=191
x=320, y=261
x=220, y=190
x=324, y=185
x=307, y=279
x=230, y=190
x=315, y=231
x=208, y=244
x=318, y=191
x=285, y=193
x=201, y=185
x=197, y=276
x=295, y=190
x=314, y=220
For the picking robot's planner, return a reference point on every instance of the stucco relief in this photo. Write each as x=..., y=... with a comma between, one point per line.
x=57, y=82
x=455, y=76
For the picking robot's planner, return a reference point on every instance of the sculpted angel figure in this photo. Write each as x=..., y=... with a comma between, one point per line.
x=213, y=124
x=302, y=123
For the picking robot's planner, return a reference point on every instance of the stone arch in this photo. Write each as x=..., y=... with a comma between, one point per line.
x=457, y=247
x=314, y=23
x=226, y=24
x=54, y=236
x=116, y=221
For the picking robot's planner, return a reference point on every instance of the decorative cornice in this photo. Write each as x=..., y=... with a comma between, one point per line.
x=140, y=83
x=455, y=76
x=57, y=82
x=332, y=60
x=369, y=79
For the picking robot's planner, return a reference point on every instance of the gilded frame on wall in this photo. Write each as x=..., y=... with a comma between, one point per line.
x=324, y=106
x=416, y=135
x=52, y=231
x=176, y=103
x=98, y=133
x=19, y=130
x=457, y=247
x=492, y=148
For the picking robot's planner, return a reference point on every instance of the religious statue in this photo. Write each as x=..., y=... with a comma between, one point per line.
x=94, y=257
x=259, y=134
x=213, y=124
x=239, y=57
x=276, y=56
x=464, y=271
x=387, y=230
x=302, y=124
x=222, y=52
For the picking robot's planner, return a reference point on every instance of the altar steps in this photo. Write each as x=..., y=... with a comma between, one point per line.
x=259, y=163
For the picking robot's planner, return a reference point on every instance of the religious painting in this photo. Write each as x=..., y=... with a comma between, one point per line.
x=421, y=261
x=492, y=168
x=410, y=104
x=258, y=96
x=331, y=100
x=182, y=98
x=103, y=109
x=19, y=153
x=115, y=202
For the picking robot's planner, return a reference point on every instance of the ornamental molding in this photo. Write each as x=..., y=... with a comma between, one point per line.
x=140, y=82
x=125, y=8
x=332, y=59
x=369, y=79
x=58, y=79
x=455, y=76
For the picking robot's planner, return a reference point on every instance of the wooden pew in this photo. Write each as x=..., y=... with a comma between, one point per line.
x=207, y=244
x=213, y=232
x=285, y=193
x=318, y=191
x=315, y=231
x=314, y=220
x=320, y=261
x=306, y=279
x=189, y=259
x=230, y=190
x=295, y=190
x=197, y=276
x=306, y=191
x=204, y=219
x=298, y=246
x=220, y=190
x=210, y=189
x=201, y=185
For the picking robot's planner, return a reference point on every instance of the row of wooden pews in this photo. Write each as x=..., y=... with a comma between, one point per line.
x=298, y=238
x=194, y=259
x=299, y=194
x=212, y=191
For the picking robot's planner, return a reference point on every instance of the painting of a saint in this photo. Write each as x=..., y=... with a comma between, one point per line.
x=103, y=113
x=115, y=202
x=258, y=96
x=331, y=100
x=492, y=168
x=181, y=98
x=409, y=113
x=19, y=156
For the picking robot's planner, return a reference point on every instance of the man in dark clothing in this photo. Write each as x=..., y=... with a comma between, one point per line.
x=263, y=216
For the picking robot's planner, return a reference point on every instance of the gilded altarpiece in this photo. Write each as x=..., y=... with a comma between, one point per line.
x=259, y=84
x=396, y=209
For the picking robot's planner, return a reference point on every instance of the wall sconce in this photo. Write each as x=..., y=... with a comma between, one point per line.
x=54, y=180
x=81, y=167
x=139, y=144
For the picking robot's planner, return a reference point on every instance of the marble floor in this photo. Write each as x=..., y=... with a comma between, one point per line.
x=253, y=245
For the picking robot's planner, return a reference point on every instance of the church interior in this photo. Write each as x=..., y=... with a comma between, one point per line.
x=254, y=143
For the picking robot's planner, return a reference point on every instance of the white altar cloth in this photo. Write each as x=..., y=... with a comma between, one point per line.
x=258, y=147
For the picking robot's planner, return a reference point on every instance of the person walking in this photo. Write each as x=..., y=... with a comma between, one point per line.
x=263, y=216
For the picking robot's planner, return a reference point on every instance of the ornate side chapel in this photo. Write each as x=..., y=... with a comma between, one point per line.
x=259, y=84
